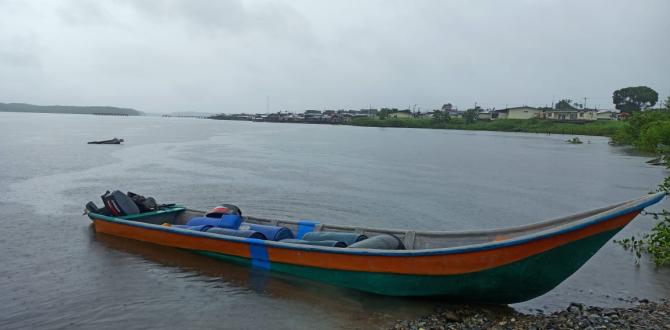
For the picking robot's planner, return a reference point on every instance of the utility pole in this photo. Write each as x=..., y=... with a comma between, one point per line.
x=584, y=105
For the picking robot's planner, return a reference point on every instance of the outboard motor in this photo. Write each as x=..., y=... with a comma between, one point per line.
x=92, y=208
x=119, y=204
x=145, y=204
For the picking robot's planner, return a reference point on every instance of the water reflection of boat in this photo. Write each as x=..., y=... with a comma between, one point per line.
x=496, y=266
x=236, y=275
x=335, y=300
x=112, y=141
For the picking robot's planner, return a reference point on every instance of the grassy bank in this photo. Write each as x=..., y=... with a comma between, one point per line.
x=601, y=128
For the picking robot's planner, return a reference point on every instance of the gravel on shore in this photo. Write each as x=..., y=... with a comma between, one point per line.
x=645, y=315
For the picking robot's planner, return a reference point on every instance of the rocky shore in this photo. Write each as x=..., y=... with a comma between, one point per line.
x=645, y=315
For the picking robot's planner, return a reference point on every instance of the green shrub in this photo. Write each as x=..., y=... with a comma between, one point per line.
x=644, y=130
x=656, y=243
x=654, y=136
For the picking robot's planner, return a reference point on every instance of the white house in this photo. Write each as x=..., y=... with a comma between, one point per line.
x=517, y=113
x=401, y=114
x=426, y=114
x=523, y=113
x=571, y=114
x=485, y=116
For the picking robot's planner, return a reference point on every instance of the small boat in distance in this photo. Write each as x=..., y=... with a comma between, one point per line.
x=112, y=141
x=502, y=266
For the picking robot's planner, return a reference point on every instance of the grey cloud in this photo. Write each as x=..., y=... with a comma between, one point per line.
x=231, y=17
x=20, y=51
x=84, y=12
x=198, y=55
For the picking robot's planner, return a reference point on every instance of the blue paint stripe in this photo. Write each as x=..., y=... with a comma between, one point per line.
x=648, y=201
x=259, y=253
x=304, y=227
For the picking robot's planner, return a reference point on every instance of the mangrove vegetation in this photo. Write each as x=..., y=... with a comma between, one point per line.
x=599, y=128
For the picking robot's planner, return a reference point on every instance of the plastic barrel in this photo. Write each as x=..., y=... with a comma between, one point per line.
x=382, y=242
x=196, y=228
x=319, y=243
x=273, y=233
x=347, y=238
x=230, y=221
x=237, y=233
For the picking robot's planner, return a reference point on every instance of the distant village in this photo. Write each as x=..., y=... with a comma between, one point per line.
x=564, y=114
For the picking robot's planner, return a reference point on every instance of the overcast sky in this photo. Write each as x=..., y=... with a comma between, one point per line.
x=228, y=56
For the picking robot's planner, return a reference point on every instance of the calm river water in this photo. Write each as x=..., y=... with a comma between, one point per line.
x=57, y=273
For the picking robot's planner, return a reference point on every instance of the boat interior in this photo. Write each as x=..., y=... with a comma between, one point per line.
x=411, y=240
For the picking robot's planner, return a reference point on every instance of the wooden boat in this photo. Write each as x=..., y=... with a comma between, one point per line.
x=493, y=266
x=112, y=141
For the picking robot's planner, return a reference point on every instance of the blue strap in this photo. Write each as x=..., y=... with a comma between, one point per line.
x=304, y=227
x=259, y=253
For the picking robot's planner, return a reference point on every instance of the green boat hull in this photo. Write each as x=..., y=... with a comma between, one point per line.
x=515, y=282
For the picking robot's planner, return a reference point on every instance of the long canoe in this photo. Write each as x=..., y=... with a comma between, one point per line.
x=493, y=266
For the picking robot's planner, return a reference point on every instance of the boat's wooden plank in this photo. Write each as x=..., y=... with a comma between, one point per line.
x=409, y=239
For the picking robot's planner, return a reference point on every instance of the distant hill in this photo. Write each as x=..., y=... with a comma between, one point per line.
x=97, y=110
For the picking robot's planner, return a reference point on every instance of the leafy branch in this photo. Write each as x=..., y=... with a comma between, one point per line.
x=656, y=243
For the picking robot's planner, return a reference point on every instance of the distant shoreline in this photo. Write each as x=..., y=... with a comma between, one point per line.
x=68, y=109
x=605, y=128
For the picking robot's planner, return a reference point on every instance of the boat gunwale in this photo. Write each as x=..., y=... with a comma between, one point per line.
x=458, y=233
x=623, y=208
